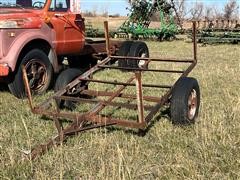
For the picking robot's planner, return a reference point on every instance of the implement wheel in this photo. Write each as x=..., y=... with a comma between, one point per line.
x=124, y=51
x=185, y=101
x=63, y=80
x=138, y=49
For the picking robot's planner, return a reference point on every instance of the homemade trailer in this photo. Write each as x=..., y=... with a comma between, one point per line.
x=183, y=96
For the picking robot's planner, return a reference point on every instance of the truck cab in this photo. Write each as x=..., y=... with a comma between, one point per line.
x=35, y=34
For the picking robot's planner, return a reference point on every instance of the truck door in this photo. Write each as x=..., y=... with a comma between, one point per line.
x=68, y=26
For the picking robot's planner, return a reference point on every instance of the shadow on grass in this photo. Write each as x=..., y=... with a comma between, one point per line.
x=3, y=87
x=142, y=132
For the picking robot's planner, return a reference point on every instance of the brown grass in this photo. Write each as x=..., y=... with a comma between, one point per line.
x=207, y=150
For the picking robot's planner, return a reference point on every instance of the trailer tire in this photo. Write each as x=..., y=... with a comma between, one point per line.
x=138, y=49
x=185, y=101
x=39, y=70
x=124, y=51
x=63, y=80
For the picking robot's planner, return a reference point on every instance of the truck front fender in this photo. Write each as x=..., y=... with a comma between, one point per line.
x=26, y=38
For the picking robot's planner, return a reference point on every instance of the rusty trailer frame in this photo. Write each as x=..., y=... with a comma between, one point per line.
x=92, y=119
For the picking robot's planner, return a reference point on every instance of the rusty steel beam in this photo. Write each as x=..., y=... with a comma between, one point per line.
x=141, y=69
x=126, y=84
x=194, y=42
x=93, y=101
x=139, y=93
x=27, y=88
x=172, y=60
x=106, y=31
x=121, y=95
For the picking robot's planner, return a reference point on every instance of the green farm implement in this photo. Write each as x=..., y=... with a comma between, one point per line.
x=219, y=31
x=137, y=26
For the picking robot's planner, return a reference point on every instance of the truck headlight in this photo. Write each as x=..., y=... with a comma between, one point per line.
x=8, y=24
x=20, y=23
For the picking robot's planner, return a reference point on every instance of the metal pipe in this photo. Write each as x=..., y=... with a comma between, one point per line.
x=140, y=69
x=92, y=101
x=154, y=59
x=121, y=95
x=27, y=87
x=194, y=42
x=140, y=106
x=106, y=30
x=127, y=84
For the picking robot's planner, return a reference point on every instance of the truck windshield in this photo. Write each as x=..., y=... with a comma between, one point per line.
x=35, y=4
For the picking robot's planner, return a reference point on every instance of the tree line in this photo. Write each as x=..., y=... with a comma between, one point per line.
x=198, y=10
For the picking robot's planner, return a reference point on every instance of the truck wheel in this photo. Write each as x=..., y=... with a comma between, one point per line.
x=63, y=80
x=83, y=62
x=138, y=49
x=124, y=51
x=39, y=73
x=185, y=101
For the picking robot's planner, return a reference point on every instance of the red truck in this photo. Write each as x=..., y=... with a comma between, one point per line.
x=41, y=35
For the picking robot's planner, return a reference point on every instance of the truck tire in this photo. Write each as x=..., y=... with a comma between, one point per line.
x=185, y=101
x=138, y=49
x=83, y=62
x=124, y=51
x=63, y=80
x=39, y=72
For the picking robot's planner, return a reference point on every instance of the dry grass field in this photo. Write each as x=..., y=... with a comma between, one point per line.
x=115, y=22
x=207, y=150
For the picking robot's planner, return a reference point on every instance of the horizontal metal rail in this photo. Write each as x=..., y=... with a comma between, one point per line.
x=142, y=69
x=126, y=84
x=153, y=59
x=121, y=95
x=93, y=101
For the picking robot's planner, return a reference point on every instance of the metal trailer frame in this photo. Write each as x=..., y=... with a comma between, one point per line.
x=92, y=119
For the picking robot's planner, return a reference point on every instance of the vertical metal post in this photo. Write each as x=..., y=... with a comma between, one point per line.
x=198, y=25
x=217, y=24
x=27, y=87
x=194, y=42
x=106, y=30
x=205, y=24
x=138, y=76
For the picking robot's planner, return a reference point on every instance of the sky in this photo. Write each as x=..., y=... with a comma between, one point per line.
x=112, y=6
x=119, y=6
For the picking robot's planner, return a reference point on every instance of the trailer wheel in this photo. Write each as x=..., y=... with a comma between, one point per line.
x=63, y=80
x=185, y=101
x=124, y=51
x=39, y=73
x=138, y=49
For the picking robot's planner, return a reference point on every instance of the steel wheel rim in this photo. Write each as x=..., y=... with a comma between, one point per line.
x=192, y=104
x=142, y=63
x=37, y=74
